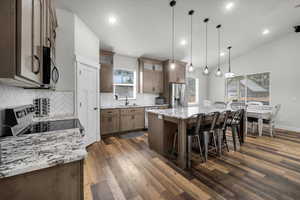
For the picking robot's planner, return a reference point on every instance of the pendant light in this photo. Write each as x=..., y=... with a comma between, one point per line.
x=172, y=4
x=191, y=67
x=205, y=70
x=229, y=74
x=219, y=72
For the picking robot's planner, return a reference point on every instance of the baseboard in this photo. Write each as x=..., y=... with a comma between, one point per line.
x=288, y=128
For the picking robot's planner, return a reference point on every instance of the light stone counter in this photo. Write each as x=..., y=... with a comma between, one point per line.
x=28, y=153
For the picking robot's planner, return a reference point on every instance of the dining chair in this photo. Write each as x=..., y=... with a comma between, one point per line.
x=193, y=134
x=255, y=103
x=220, y=104
x=272, y=121
x=238, y=105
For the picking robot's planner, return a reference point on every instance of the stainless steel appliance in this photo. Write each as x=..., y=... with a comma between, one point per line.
x=19, y=121
x=160, y=100
x=42, y=107
x=177, y=95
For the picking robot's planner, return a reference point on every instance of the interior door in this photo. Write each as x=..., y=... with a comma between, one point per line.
x=88, y=112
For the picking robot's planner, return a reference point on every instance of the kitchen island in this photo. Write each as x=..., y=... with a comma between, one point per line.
x=43, y=166
x=164, y=123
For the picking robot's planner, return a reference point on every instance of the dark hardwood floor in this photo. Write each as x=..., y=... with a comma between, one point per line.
x=264, y=168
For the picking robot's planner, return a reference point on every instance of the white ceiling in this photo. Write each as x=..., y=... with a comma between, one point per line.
x=144, y=26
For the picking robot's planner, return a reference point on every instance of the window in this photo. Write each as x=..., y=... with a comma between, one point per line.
x=254, y=87
x=192, y=90
x=124, y=84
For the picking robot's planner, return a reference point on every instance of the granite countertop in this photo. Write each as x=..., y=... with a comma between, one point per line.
x=185, y=112
x=33, y=152
x=130, y=106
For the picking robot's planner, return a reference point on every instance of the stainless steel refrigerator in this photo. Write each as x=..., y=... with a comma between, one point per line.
x=178, y=95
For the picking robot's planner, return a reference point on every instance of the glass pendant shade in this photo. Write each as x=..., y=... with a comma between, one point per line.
x=205, y=70
x=229, y=75
x=191, y=68
x=219, y=72
x=172, y=65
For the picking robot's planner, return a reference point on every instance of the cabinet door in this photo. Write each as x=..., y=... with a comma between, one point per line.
x=139, y=121
x=106, y=78
x=148, y=81
x=180, y=74
x=109, y=124
x=158, y=82
x=127, y=122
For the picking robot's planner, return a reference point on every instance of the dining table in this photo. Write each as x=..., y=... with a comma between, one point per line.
x=260, y=113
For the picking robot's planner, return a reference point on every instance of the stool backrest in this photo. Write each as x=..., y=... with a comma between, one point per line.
x=214, y=117
x=237, y=116
x=220, y=104
x=223, y=119
x=275, y=112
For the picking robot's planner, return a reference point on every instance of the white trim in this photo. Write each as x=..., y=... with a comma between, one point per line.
x=82, y=61
x=288, y=128
x=87, y=62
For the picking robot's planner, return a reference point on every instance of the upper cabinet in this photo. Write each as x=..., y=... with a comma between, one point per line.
x=176, y=75
x=24, y=36
x=150, y=76
x=106, y=71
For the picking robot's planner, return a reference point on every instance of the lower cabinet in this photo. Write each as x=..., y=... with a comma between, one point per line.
x=122, y=120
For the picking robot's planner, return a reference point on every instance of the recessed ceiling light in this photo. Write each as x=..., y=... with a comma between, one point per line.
x=222, y=54
x=183, y=42
x=112, y=20
x=266, y=32
x=229, y=5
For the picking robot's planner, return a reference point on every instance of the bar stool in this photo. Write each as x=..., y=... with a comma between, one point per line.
x=194, y=134
x=221, y=128
x=209, y=134
x=234, y=124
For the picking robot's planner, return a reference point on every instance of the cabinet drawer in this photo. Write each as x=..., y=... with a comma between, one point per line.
x=132, y=111
x=110, y=112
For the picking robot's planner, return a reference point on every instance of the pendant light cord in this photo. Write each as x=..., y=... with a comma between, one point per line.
x=206, y=45
x=191, y=12
x=219, y=46
x=229, y=62
x=173, y=31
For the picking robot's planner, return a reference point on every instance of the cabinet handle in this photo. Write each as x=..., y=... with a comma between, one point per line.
x=36, y=71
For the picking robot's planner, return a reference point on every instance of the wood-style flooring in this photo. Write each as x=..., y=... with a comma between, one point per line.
x=264, y=168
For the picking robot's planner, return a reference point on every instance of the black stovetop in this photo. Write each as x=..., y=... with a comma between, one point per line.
x=41, y=127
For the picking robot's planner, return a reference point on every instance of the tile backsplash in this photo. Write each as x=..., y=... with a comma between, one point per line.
x=60, y=102
x=107, y=99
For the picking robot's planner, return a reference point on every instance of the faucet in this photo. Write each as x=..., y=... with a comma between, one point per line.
x=126, y=101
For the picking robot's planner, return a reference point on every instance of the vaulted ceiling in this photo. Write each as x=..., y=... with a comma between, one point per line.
x=143, y=27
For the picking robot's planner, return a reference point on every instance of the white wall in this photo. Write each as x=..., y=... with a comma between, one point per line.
x=87, y=44
x=280, y=57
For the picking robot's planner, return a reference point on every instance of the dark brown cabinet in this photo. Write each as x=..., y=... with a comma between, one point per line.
x=177, y=75
x=150, y=76
x=24, y=25
x=106, y=71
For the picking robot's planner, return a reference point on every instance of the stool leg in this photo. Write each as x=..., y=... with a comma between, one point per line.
x=206, y=145
x=215, y=143
x=233, y=130
x=219, y=142
x=225, y=140
x=200, y=148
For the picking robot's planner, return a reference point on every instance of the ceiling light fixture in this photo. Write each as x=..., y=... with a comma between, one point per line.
x=266, y=32
x=229, y=6
x=205, y=70
x=183, y=42
x=191, y=67
x=112, y=20
x=229, y=74
x=172, y=4
x=219, y=72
